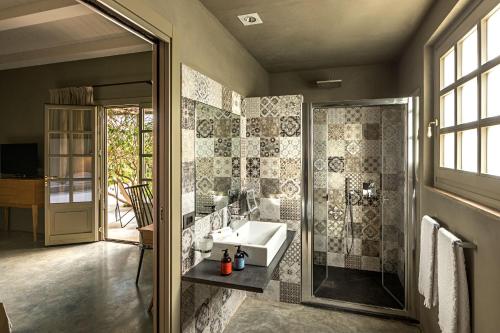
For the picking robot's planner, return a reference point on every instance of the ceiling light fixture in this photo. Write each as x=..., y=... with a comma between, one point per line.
x=250, y=19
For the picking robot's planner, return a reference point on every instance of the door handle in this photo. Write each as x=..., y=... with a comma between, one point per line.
x=47, y=178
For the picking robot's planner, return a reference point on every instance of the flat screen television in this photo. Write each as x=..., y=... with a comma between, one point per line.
x=19, y=159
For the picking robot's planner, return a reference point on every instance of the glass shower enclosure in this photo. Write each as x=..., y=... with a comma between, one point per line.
x=358, y=204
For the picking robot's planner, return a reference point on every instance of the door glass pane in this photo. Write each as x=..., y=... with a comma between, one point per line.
x=147, y=143
x=59, y=167
x=468, y=150
x=82, y=144
x=468, y=53
x=467, y=102
x=448, y=69
x=58, y=120
x=492, y=155
x=492, y=92
x=448, y=109
x=448, y=150
x=82, y=167
x=147, y=120
x=59, y=191
x=493, y=35
x=58, y=143
x=82, y=120
x=82, y=191
x=148, y=167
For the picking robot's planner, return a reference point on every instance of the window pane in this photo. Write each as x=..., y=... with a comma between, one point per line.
x=58, y=120
x=448, y=109
x=58, y=143
x=82, y=167
x=468, y=53
x=468, y=150
x=493, y=35
x=82, y=144
x=467, y=102
x=492, y=92
x=448, y=150
x=82, y=191
x=147, y=121
x=59, y=167
x=82, y=120
x=492, y=155
x=147, y=143
x=59, y=191
x=448, y=69
x=147, y=168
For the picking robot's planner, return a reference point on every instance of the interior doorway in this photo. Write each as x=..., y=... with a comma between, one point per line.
x=128, y=162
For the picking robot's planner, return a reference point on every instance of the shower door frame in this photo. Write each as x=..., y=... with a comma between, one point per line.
x=308, y=297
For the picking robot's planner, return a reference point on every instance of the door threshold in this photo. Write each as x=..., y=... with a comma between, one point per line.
x=122, y=241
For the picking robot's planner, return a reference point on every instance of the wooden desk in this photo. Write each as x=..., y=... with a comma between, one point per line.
x=22, y=193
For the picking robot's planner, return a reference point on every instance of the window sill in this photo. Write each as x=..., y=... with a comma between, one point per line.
x=490, y=212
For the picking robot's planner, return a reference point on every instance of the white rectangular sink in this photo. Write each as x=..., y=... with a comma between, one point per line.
x=261, y=240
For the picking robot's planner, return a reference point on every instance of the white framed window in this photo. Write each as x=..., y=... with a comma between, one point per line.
x=467, y=105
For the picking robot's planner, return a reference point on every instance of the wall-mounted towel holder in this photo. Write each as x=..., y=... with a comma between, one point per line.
x=466, y=245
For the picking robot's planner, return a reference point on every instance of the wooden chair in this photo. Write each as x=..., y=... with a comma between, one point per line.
x=142, y=203
x=125, y=198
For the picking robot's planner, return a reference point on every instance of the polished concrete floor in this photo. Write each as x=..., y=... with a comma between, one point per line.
x=76, y=288
x=259, y=316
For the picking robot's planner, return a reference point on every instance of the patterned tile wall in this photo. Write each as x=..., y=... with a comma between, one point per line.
x=273, y=162
x=347, y=144
x=205, y=308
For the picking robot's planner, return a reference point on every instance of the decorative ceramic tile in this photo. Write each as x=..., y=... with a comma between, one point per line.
x=188, y=117
x=188, y=200
x=290, y=292
x=227, y=99
x=319, y=116
x=353, y=147
x=290, y=126
x=253, y=147
x=269, y=106
x=353, y=115
x=371, y=148
x=336, y=164
x=269, y=147
x=254, y=184
x=290, y=188
x=270, y=167
x=252, y=107
x=222, y=184
x=335, y=244
x=371, y=164
x=236, y=103
x=352, y=261
x=335, y=132
x=290, y=209
x=223, y=147
x=353, y=132
x=293, y=254
x=290, y=105
x=204, y=128
x=236, y=147
x=204, y=167
x=204, y=147
x=371, y=215
x=319, y=258
x=353, y=164
x=188, y=177
x=370, y=263
x=235, y=162
x=253, y=167
x=290, y=168
x=223, y=128
x=270, y=209
x=335, y=180
x=270, y=187
x=370, y=114
x=370, y=232
x=204, y=185
x=253, y=127
x=392, y=182
x=222, y=167
x=188, y=138
x=320, y=179
x=336, y=116
x=371, y=131
x=371, y=248
x=270, y=127
x=336, y=148
x=291, y=147
x=319, y=226
x=290, y=272
x=335, y=259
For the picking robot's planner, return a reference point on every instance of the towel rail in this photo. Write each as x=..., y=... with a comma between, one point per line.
x=466, y=245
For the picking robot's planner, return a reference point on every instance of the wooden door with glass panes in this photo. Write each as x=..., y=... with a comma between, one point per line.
x=70, y=174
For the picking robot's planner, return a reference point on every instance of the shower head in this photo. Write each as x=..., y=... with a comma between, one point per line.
x=328, y=84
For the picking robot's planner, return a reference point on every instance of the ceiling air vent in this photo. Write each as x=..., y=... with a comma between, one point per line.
x=250, y=19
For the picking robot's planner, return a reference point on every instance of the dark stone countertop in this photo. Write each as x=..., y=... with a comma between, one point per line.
x=252, y=278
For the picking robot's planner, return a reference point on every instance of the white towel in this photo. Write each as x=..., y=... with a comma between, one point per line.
x=453, y=295
x=427, y=284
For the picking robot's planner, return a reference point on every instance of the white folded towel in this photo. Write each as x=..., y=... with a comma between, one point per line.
x=453, y=294
x=427, y=284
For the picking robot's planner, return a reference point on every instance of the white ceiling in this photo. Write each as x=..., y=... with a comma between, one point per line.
x=36, y=32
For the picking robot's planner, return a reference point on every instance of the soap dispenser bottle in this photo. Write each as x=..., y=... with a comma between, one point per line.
x=239, y=259
x=226, y=267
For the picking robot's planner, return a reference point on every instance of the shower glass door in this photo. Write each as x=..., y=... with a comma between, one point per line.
x=358, y=190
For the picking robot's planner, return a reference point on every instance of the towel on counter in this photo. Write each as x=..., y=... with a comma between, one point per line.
x=427, y=282
x=453, y=294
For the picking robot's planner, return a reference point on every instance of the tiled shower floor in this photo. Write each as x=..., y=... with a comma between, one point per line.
x=357, y=286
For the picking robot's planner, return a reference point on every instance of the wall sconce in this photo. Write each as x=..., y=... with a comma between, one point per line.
x=434, y=123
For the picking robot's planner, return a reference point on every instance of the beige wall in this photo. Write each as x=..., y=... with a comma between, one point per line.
x=469, y=223
x=358, y=82
x=24, y=91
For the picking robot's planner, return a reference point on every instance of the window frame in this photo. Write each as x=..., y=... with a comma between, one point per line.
x=477, y=186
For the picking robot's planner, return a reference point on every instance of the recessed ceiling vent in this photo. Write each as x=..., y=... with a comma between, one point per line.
x=250, y=19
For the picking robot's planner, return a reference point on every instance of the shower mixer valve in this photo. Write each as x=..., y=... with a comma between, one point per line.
x=369, y=190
